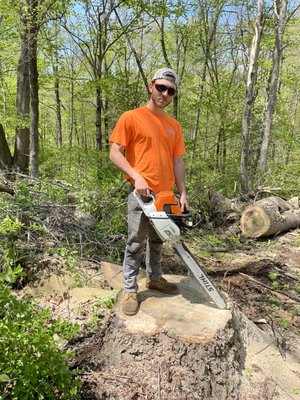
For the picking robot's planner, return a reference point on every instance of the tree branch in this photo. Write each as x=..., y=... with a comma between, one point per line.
x=291, y=296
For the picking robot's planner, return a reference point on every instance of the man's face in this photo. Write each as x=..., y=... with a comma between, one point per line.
x=162, y=92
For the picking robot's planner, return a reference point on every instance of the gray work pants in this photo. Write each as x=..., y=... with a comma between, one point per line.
x=140, y=231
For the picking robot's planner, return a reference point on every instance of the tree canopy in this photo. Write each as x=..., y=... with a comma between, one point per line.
x=69, y=69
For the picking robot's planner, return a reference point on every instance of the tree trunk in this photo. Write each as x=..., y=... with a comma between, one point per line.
x=249, y=99
x=268, y=217
x=34, y=91
x=105, y=107
x=22, y=139
x=200, y=97
x=4, y=101
x=58, y=125
x=72, y=109
x=98, y=119
x=5, y=155
x=272, y=97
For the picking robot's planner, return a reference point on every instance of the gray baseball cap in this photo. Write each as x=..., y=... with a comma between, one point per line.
x=168, y=74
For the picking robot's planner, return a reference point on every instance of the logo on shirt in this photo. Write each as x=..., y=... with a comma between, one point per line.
x=171, y=131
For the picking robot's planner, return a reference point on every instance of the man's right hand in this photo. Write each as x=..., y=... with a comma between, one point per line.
x=141, y=186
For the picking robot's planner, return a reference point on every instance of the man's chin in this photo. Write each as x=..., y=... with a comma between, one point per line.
x=162, y=104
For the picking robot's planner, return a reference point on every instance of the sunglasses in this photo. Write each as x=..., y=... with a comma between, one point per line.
x=162, y=88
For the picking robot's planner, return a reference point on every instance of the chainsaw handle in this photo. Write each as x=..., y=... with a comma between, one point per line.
x=186, y=214
x=147, y=206
x=144, y=199
x=183, y=219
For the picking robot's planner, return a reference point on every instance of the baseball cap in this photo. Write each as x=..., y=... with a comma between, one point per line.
x=166, y=73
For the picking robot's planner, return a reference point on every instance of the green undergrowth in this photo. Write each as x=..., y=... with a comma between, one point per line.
x=32, y=362
x=44, y=205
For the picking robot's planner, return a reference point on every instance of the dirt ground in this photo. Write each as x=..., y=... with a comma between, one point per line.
x=262, y=280
x=260, y=277
x=118, y=365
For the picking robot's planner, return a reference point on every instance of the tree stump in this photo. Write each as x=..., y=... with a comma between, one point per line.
x=268, y=217
x=180, y=348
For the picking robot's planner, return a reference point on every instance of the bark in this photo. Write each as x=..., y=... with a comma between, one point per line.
x=268, y=217
x=249, y=98
x=179, y=348
x=72, y=109
x=34, y=91
x=4, y=101
x=58, y=124
x=223, y=210
x=272, y=95
x=105, y=106
x=200, y=97
x=221, y=145
x=98, y=119
x=169, y=336
x=22, y=138
x=294, y=128
x=6, y=189
x=162, y=38
x=5, y=156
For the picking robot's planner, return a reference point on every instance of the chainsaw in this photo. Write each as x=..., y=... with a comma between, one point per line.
x=165, y=215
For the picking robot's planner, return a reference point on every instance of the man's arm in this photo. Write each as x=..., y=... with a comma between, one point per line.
x=179, y=173
x=116, y=156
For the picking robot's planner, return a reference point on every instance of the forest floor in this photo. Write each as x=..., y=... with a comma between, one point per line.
x=261, y=278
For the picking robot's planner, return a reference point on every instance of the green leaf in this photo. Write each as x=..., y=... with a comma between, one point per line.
x=4, y=378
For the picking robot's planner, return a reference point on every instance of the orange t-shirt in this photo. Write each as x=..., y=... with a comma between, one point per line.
x=151, y=143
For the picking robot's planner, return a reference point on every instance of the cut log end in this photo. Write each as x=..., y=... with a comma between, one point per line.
x=255, y=222
x=268, y=217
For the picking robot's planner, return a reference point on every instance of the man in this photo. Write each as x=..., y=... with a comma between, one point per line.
x=154, y=146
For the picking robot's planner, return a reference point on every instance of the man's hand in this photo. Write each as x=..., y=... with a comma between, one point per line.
x=183, y=203
x=141, y=186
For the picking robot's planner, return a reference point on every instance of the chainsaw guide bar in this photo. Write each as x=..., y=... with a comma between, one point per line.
x=154, y=208
x=198, y=273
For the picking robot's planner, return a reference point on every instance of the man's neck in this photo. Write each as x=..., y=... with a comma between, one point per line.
x=154, y=108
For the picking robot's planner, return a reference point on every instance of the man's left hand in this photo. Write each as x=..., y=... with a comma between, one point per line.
x=183, y=203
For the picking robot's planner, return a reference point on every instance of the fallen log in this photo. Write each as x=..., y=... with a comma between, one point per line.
x=223, y=210
x=268, y=217
x=6, y=189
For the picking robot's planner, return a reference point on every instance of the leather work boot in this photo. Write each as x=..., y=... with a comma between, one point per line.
x=130, y=303
x=162, y=285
